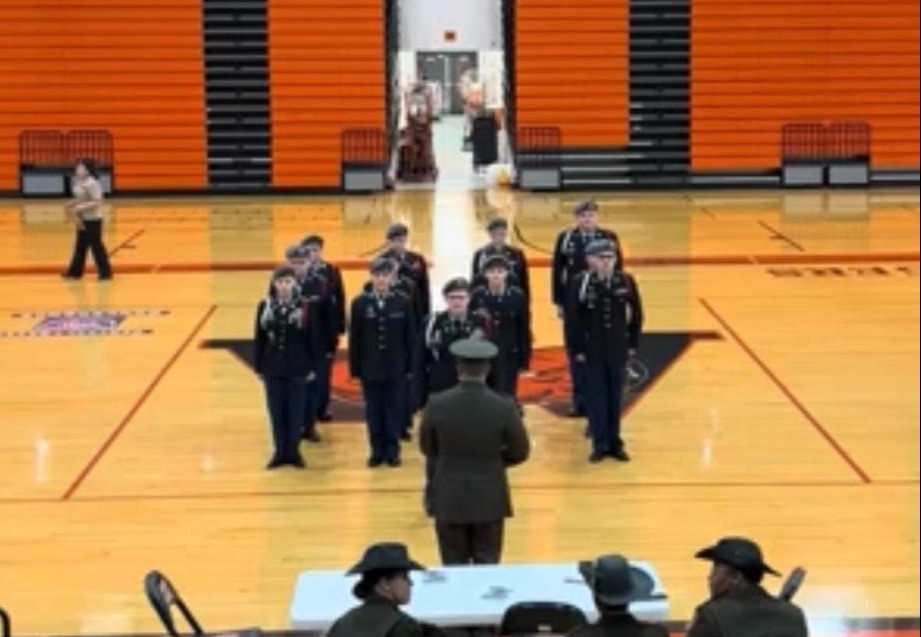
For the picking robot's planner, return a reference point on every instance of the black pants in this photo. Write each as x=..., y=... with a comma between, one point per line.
x=285, y=398
x=604, y=384
x=462, y=544
x=89, y=239
x=324, y=382
x=384, y=414
x=503, y=375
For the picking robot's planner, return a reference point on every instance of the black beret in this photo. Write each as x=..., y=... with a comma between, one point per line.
x=584, y=206
x=381, y=264
x=397, y=230
x=295, y=252
x=458, y=284
x=600, y=246
x=312, y=239
x=495, y=261
x=496, y=224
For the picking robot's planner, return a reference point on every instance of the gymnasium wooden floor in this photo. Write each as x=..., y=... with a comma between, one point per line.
x=785, y=406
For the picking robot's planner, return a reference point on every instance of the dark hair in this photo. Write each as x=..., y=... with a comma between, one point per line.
x=90, y=166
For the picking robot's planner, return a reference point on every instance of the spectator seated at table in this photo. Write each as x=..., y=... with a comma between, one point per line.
x=614, y=585
x=385, y=585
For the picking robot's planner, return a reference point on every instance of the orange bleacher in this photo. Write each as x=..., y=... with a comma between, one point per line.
x=327, y=70
x=757, y=65
x=134, y=69
x=571, y=69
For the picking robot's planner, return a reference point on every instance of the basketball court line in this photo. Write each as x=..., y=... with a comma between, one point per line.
x=780, y=236
x=839, y=449
x=539, y=262
x=120, y=427
x=127, y=243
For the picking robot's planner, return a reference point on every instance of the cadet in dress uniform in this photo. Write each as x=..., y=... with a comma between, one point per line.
x=498, y=245
x=568, y=261
x=313, y=244
x=472, y=435
x=412, y=265
x=381, y=339
x=738, y=605
x=286, y=356
x=604, y=330
x=510, y=323
x=385, y=585
x=316, y=289
x=615, y=585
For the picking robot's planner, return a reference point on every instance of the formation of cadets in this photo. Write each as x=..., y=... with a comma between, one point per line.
x=399, y=350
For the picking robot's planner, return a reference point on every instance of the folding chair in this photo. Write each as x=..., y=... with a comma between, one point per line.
x=792, y=584
x=530, y=618
x=163, y=596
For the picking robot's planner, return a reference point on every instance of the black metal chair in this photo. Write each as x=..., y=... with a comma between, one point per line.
x=792, y=584
x=530, y=618
x=163, y=596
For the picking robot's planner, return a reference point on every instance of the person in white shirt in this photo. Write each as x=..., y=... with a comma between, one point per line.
x=85, y=211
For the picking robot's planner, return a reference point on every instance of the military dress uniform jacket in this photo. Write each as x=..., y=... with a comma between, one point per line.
x=412, y=266
x=472, y=434
x=754, y=614
x=607, y=317
x=622, y=625
x=286, y=343
x=336, y=293
x=509, y=322
x=517, y=266
x=569, y=258
x=316, y=289
x=435, y=366
x=376, y=617
x=382, y=336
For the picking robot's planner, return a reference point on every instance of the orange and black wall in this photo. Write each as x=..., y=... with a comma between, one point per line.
x=200, y=95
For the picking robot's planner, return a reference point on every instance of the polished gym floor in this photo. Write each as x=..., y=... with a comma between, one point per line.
x=781, y=402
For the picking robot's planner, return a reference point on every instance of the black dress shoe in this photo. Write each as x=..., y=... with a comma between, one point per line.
x=394, y=462
x=312, y=436
x=327, y=417
x=298, y=463
x=70, y=277
x=105, y=277
x=621, y=455
x=274, y=463
x=374, y=461
x=406, y=436
x=596, y=457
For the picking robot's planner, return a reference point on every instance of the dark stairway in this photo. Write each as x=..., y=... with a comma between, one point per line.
x=237, y=94
x=659, y=147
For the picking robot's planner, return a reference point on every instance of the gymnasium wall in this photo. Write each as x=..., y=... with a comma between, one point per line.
x=134, y=68
x=327, y=74
x=571, y=69
x=758, y=64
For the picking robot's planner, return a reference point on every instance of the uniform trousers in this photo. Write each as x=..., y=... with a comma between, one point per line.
x=324, y=381
x=89, y=239
x=384, y=414
x=477, y=543
x=603, y=392
x=577, y=375
x=285, y=399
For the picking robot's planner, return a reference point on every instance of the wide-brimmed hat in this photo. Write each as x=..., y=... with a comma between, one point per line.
x=740, y=553
x=614, y=582
x=385, y=557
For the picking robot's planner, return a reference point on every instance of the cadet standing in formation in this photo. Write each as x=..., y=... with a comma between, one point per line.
x=506, y=308
x=382, y=333
x=498, y=245
x=286, y=356
x=471, y=434
x=738, y=605
x=332, y=277
x=604, y=325
x=568, y=261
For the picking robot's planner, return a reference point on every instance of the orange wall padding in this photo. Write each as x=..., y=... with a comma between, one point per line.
x=327, y=70
x=572, y=69
x=758, y=64
x=134, y=68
